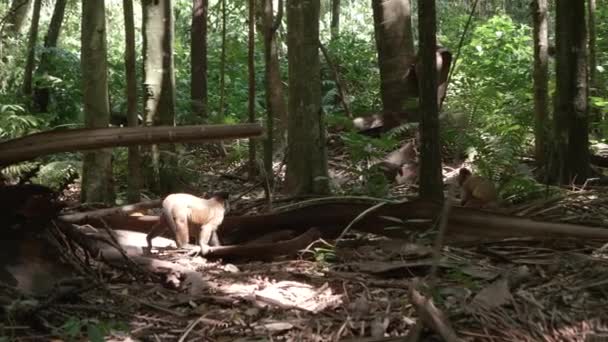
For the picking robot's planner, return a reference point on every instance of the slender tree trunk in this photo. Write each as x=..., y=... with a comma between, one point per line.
x=198, y=58
x=42, y=92
x=159, y=81
x=223, y=73
x=276, y=110
x=395, y=44
x=571, y=117
x=134, y=183
x=223, y=60
x=595, y=114
x=31, y=49
x=335, y=19
x=97, y=184
x=306, y=154
x=253, y=170
x=16, y=16
x=431, y=185
x=541, y=79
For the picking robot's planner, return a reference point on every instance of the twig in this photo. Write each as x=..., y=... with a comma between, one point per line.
x=339, y=84
x=359, y=218
x=189, y=328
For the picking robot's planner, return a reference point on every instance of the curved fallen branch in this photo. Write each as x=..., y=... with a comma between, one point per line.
x=39, y=144
x=331, y=218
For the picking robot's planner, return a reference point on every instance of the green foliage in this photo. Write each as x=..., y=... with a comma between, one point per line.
x=358, y=70
x=362, y=150
x=14, y=171
x=55, y=173
x=324, y=255
x=525, y=188
x=600, y=105
x=14, y=122
x=492, y=85
x=92, y=329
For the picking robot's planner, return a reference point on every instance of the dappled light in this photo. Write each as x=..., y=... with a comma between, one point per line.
x=287, y=170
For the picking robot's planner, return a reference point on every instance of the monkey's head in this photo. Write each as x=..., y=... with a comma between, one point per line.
x=222, y=197
x=463, y=175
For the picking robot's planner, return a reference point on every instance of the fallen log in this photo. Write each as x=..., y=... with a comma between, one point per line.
x=101, y=213
x=332, y=217
x=39, y=144
x=260, y=251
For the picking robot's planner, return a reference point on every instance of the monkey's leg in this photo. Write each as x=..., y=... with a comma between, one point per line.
x=207, y=232
x=182, y=235
x=465, y=198
x=215, y=240
x=474, y=203
x=156, y=230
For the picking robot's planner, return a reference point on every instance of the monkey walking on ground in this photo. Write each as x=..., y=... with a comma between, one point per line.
x=180, y=212
x=477, y=191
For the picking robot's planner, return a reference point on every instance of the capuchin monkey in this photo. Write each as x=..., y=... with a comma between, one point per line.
x=477, y=191
x=182, y=212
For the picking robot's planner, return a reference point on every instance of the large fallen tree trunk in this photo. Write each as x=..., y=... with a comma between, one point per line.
x=100, y=213
x=332, y=217
x=35, y=145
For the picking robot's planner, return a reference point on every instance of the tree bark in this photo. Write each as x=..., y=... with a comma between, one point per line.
x=198, y=58
x=17, y=14
x=306, y=145
x=253, y=170
x=159, y=83
x=42, y=92
x=134, y=183
x=335, y=19
x=223, y=73
x=595, y=114
x=97, y=182
x=395, y=44
x=276, y=108
x=571, y=117
x=431, y=185
x=541, y=79
x=31, y=49
x=39, y=144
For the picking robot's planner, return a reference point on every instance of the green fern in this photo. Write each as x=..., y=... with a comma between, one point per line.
x=55, y=174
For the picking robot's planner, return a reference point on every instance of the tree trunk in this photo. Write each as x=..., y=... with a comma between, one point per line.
x=571, y=117
x=31, y=49
x=97, y=183
x=276, y=111
x=395, y=44
x=65, y=140
x=335, y=19
x=431, y=185
x=541, y=79
x=17, y=14
x=42, y=91
x=306, y=145
x=253, y=170
x=595, y=114
x=223, y=73
x=134, y=182
x=159, y=82
x=198, y=58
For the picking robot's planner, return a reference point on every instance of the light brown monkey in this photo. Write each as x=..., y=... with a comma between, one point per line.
x=408, y=173
x=477, y=191
x=180, y=212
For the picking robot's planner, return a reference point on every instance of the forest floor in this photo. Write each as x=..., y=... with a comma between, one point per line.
x=518, y=289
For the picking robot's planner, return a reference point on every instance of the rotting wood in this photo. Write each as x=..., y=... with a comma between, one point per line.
x=432, y=317
x=331, y=218
x=100, y=213
x=39, y=144
x=265, y=250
